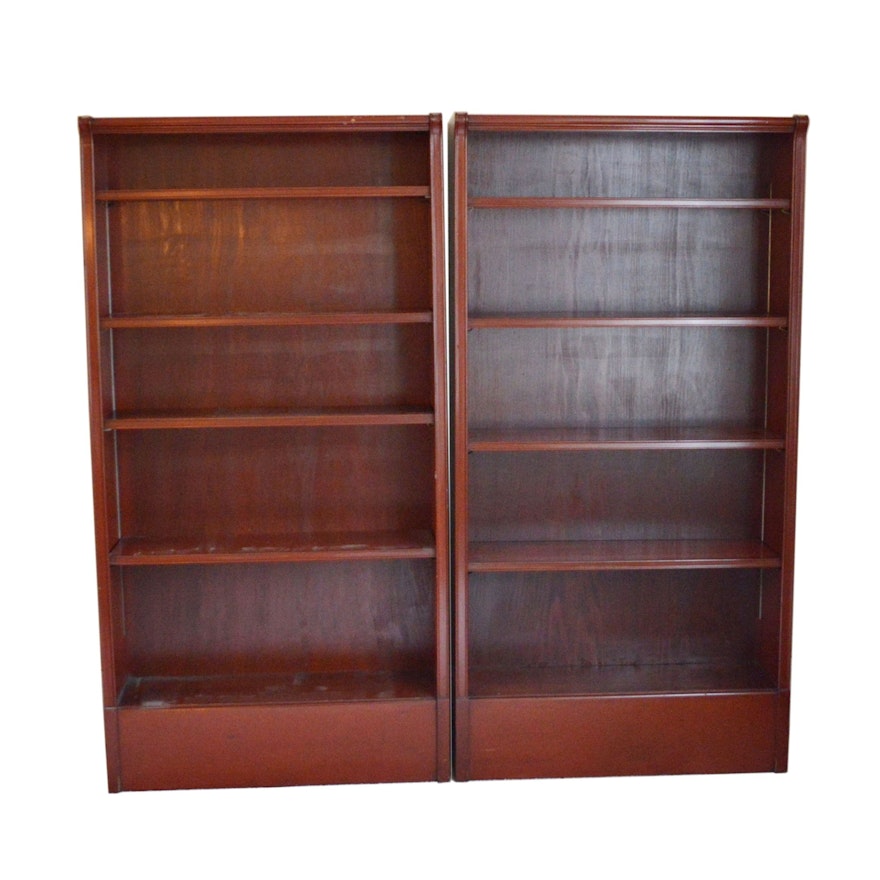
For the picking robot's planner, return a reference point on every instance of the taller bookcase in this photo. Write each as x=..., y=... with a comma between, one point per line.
x=627, y=312
x=266, y=337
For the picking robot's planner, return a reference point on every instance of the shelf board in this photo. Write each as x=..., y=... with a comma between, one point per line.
x=514, y=556
x=650, y=124
x=317, y=547
x=529, y=202
x=272, y=689
x=572, y=319
x=269, y=418
x=585, y=439
x=679, y=678
x=264, y=319
x=271, y=192
x=203, y=125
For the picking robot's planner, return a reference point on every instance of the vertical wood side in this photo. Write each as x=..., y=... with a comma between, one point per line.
x=111, y=739
x=460, y=476
x=441, y=454
x=791, y=435
x=791, y=427
x=99, y=472
x=783, y=706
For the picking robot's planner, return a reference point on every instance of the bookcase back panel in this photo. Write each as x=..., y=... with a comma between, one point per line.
x=239, y=482
x=655, y=376
x=620, y=165
x=262, y=160
x=616, y=496
x=632, y=618
x=203, y=368
x=618, y=261
x=269, y=255
x=259, y=619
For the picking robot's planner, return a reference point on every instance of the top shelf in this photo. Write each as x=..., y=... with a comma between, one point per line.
x=265, y=319
x=541, y=202
x=654, y=124
x=189, y=125
x=262, y=192
x=564, y=320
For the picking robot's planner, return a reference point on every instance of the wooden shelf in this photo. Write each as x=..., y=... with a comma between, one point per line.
x=617, y=555
x=164, y=692
x=572, y=320
x=530, y=202
x=261, y=125
x=585, y=439
x=272, y=192
x=684, y=678
x=347, y=416
x=318, y=547
x=517, y=124
x=270, y=472
x=266, y=319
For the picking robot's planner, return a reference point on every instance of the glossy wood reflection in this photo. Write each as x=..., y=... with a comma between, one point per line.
x=267, y=365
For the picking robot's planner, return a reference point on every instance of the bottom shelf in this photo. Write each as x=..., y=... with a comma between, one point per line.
x=556, y=736
x=671, y=678
x=213, y=690
x=270, y=744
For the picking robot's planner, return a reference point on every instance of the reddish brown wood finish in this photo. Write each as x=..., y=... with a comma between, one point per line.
x=106, y=532
x=625, y=555
x=631, y=623
x=266, y=319
x=271, y=688
x=625, y=495
x=459, y=308
x=266, y=314
x=311, y=547
x=341, y=416
x=627, y=307
x=570, y=439
x=286, y=619
x=242, y=482
x=268, y=192
x=572, y=319
x=357, y=367
x=657, y=679
x=650, y=124
x=615, y=736
x=269, y=255
x=443, y=597
x=266, y=125
x=727, y=204
x=238, y=746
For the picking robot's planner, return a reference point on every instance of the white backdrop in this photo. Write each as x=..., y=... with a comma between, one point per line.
x=183, y=58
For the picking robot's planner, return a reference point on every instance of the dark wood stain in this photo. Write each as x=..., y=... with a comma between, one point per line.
x=627, y=305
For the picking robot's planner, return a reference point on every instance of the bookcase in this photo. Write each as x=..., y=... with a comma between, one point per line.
x=266, y=342
x=626, y=325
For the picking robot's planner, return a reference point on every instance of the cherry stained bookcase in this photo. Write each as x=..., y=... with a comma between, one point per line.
x=266, y=328
x=626, y=320
x=266, y=338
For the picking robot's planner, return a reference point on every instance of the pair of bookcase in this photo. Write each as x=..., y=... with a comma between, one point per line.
x=282, y=599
